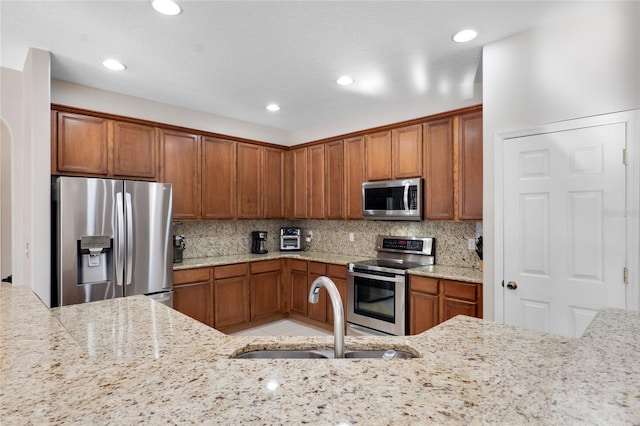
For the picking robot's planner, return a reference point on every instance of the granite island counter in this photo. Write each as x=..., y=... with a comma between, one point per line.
x=133, y=360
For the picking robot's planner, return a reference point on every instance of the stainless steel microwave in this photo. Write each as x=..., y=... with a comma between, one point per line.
x=392, y=199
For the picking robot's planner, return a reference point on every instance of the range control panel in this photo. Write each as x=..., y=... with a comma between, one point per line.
x=414, y=245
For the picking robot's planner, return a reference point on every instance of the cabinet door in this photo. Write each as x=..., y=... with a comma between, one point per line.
x=299, y=183
x=180, y=167
x=317, y=311
x=353, y=177
x=232, y=301
x=423, y=304
x=316, y=184
x=338, y=274
x=250, y=172
x=407, y=152
x=265, y=294
x=218, y=178
x=193, y=294
x=378, y=156
x=82, y=144
x=134, y=150
x=459, y=298
x=273, y=183
x=470, y=166
x=438, y=170
x=194, y=300
x=299, y=292
x=334, y=166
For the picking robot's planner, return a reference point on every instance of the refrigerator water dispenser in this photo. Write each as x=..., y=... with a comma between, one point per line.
x=95, y=259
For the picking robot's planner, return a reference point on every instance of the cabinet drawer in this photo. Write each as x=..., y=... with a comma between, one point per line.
x=317, y=268
x=186, y=276
x=228, y=271
x=337, y=271
x=298, y=265
x=423, y=285
x=265, y=266
x=459, y=290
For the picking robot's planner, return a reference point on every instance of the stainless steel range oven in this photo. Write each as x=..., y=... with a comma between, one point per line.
x=377, y=293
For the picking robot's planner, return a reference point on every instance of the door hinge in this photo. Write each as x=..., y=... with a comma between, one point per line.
x=625, y=159
x=625, y=275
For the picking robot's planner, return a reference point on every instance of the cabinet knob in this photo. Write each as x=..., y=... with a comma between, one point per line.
x=512, y=285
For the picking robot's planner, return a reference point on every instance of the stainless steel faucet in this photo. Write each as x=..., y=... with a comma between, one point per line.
x=338, y=311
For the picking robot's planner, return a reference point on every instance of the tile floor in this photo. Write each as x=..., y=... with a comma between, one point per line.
x=284, y=327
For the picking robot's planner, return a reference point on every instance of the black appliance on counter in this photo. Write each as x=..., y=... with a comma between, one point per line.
x=377, y=289
x=259, y=242
x=290, y=239
x=178, y=248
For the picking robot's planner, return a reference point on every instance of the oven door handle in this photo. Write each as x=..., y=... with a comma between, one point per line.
x=395, y=279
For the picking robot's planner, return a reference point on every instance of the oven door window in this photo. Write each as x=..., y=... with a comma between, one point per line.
x=375, y=299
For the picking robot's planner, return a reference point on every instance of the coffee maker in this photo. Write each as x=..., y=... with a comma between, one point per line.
x=259, y=242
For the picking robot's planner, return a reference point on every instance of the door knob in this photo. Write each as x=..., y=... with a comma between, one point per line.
x=512, y=285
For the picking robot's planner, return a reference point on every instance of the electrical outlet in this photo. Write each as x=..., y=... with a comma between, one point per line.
x=471, y=244
x=351, y=238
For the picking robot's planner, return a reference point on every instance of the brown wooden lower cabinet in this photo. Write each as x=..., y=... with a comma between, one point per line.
x=317, y=311
x=298, y=286
x=192, y=294
x=338, y=274
x=432, y=301
x=231, y=294
x=266, y=289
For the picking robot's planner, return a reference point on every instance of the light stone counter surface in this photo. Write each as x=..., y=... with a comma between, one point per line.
x=132, y=360
x=435, y=271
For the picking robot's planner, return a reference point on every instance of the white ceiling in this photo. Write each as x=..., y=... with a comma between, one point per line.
x=232, y=58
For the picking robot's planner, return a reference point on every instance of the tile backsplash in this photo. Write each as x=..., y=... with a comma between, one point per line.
x=229, y=237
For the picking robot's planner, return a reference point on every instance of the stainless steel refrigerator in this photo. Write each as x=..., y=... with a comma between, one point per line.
x=112, y=238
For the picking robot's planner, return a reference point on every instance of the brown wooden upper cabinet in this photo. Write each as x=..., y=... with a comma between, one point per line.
x=394, y=154
x=334, y=168
x=94, y=146
x=249, y=180
x=438, y=173
x=273, y=183
x=453, y=167
x=378, y=155
x=354, y=175
x=407, y=152
x=181, y=167
x=315, y=191
x=470, y=166
x=218, y=178
x=82, y=144
x=134, y=150
x=299, y=180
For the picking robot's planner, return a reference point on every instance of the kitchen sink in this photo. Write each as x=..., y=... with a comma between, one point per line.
x=324, y=354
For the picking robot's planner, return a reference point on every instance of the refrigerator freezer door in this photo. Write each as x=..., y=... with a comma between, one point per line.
x=86, y=245
x=149, y=265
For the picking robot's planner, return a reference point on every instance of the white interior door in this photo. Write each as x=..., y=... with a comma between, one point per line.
x=564, y=227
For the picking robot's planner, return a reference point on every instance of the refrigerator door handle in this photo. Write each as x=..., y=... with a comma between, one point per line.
x=120, y=241
x=129, y=212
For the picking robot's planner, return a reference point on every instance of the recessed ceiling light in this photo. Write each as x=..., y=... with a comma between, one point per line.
x=464, y=36
x=113, y=64
x=273, y=107
x=345, y=80
x=166, y=7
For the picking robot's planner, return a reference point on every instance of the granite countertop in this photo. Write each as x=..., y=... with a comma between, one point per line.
x=134, y=360
x=434, y=271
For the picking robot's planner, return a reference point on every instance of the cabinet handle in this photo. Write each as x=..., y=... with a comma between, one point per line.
x=512, y=285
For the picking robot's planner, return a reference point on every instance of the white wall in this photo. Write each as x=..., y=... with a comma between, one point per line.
x=587, y=66
x=70, y=94
x=5, y=199
x=11, y=113
x=26, y=111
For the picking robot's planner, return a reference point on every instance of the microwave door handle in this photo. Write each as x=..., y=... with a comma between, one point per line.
x=406, y=197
